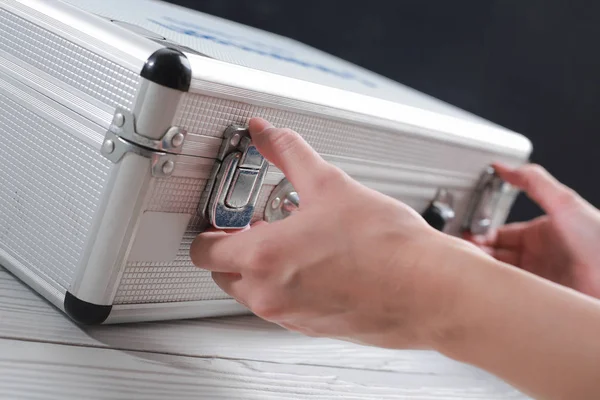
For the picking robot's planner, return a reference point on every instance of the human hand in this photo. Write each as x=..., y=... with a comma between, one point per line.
x=563, y=245
x=351, y=263
x=356, y=265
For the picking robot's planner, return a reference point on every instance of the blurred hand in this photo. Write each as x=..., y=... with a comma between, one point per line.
x=563, y=245
x=351, y=263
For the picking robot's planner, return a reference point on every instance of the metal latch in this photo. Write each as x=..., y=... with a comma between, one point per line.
x=235, y=182
x=484, y=203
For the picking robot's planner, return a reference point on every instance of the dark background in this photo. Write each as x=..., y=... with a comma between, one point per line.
x=530, y=65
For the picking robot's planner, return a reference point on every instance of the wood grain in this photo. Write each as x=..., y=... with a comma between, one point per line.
x=50, y=371
x=26, y=316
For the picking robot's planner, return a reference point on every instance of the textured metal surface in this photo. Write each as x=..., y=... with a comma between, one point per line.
x=260, y=50
x=73, y=65
x=50, y=187
x=45, y=221
x=238, y=177
x=335, y=138
x=179, y=280
x=199, y=115
x=123, y=126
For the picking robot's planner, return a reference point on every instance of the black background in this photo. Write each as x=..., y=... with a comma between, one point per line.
x=530, y=65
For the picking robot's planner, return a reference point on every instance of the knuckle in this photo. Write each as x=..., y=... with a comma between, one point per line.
x=285, y=140
x=532, y=171
x=565, y=197
x=262, y=258
x=328, y=178
x=266, y=306
x=534, y=174
x=531, y=175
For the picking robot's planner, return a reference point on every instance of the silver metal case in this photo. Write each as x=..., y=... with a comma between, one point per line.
x=124, y=138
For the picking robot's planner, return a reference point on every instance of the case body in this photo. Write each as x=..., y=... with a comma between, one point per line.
x=112, y=118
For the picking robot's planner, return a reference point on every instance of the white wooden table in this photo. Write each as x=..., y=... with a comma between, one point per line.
x=43, y=355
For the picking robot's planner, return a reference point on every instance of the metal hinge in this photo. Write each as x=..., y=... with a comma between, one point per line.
x=122, y=138
x=235, y=182
x=484, y=203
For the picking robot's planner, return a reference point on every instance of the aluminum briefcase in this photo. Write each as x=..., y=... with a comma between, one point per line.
x=123, y=131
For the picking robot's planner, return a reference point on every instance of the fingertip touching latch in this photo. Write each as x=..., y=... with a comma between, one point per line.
x=235, y=182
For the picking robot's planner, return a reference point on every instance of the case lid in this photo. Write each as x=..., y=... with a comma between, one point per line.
x=242, y=45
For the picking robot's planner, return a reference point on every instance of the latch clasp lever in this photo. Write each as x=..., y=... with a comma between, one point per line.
x=484, y=203
x=236, y=181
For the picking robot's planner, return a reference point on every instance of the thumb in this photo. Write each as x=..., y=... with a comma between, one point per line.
x=289, y=152
x=541, y=187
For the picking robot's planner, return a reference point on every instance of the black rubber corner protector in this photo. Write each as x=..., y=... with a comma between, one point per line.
x=434, y=217
x=168, y=67
x=85, y=313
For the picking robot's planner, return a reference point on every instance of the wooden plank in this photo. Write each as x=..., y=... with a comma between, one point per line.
x=30, y=370
x=25, y=315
